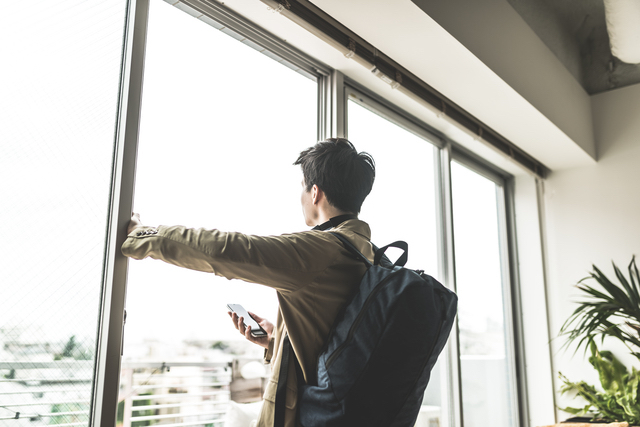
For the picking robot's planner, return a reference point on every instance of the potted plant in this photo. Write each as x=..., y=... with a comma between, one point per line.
x=610, y=310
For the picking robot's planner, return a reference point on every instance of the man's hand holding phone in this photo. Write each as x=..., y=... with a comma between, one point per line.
x=239, y=323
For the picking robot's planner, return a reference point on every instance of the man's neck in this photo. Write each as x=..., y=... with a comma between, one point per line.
x=325, y=216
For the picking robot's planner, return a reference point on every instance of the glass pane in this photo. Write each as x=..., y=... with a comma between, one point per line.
x=401, y=206
x=59, y=86
x=221, y=125
x=487, y=393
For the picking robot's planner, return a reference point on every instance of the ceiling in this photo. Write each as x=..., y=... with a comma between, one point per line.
x=575, y=31
x=481, y=55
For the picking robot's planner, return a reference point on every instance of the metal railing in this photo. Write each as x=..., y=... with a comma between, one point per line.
x=45, y=393
x=176, y=394
x=182, y=394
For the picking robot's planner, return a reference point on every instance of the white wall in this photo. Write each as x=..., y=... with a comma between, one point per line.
x=593, y=216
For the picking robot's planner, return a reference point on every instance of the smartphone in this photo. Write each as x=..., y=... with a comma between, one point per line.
x=256, y=330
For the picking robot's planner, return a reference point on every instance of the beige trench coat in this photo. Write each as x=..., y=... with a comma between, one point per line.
x=312, y=272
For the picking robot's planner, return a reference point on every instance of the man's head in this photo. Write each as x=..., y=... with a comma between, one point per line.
x=343, y=175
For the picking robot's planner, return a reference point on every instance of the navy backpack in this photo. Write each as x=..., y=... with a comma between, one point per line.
x=378, y=358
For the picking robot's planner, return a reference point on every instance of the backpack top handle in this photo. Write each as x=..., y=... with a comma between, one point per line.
x=401, y=261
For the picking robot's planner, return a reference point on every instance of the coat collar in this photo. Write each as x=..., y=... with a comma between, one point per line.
x=334, y=222
x=355, y=226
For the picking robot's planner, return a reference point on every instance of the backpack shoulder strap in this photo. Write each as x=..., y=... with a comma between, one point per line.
x=281, y=390
x=347, y=244
x=380, y=258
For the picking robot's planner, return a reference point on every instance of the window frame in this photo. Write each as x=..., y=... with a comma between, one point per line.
x=334, y=90
x=112, y=314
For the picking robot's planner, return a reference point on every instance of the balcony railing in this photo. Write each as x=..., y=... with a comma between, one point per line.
x=151, y=393
x=164, y=393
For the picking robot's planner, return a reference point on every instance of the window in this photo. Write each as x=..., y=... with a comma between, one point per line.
x=59, y=104
x=222, y=120
x=482, y=283
x=218, y=137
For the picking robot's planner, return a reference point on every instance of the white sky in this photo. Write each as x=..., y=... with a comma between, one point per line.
x=59, y=84
x=221, y=127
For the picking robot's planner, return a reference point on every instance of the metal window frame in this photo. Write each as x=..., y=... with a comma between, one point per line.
x=448, y=267
x=516, y=302
x=332, y=106
x=110, y=335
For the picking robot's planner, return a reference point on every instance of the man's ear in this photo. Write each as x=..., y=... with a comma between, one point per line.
x=316, y=194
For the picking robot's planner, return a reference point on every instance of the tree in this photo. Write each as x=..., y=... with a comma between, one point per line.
x=69, y=347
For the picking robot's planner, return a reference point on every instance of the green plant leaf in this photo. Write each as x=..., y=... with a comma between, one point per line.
x=577, y=411
x=613, y=289
x=612, y=310
x=633, y=297
x=607, y=308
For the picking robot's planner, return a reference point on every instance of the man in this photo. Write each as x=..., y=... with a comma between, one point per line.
x=313, y=273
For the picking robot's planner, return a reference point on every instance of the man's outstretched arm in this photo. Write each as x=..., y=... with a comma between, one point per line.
x=286, y=262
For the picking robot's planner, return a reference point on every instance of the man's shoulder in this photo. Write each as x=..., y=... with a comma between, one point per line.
x=355, y=230
x=354, y=227
x=358, y=233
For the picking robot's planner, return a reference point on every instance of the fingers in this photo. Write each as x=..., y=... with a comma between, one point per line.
x=240, y=325
x=234, y=318
x=134, y=222
x=238, y=322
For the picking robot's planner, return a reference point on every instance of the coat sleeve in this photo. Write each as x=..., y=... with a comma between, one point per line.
x=286, y=263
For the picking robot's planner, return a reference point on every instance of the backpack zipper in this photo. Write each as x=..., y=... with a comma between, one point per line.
x=339, y=350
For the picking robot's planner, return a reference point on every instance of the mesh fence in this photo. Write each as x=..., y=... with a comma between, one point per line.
x=59, y=86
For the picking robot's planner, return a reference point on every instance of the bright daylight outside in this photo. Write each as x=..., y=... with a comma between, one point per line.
x=221, y=125
x=488, y=395
x=60, y=86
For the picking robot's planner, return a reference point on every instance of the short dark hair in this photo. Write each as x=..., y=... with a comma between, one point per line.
x=344, y=175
